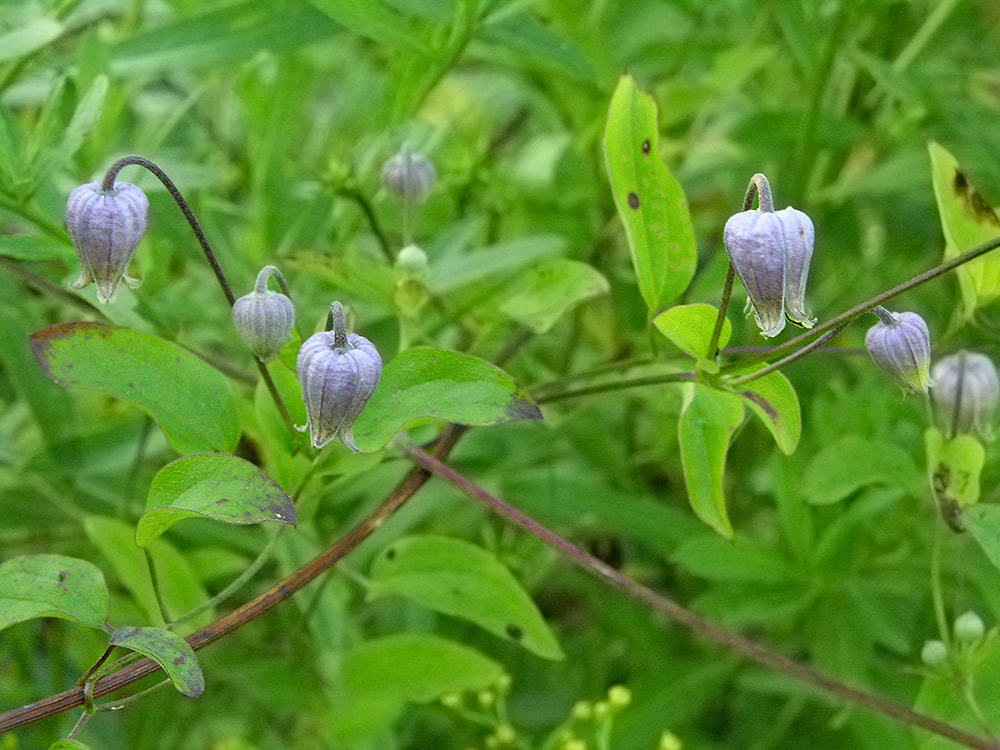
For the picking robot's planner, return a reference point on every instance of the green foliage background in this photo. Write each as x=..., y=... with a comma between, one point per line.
x=274, y=119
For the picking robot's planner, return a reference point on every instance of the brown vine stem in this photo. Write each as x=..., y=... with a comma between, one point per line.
x=278, y=593
x=141, y=161
x=688, y=619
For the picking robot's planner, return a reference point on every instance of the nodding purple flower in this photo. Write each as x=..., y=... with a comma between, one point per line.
x=263, y=318
x=771, y=252
x=106, y=226
x=338, y=374
x=966, y=394
x=409, y=176
x=900, y=344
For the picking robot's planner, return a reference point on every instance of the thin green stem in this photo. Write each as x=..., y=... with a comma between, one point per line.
x=775, y=366
x=674, y=377
x=685, y=617
x=237, y=583
x=156, y=588
x=937, y=590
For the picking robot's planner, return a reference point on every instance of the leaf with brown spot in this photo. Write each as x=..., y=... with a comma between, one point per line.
x=168, y=650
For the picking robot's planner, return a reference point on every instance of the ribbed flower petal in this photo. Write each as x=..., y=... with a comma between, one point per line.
x=755, y=243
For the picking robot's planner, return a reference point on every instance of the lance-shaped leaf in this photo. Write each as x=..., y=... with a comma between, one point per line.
x=52, y=586
x=168, y=650
x=424, y=385
x=708, y=418
x=192, y=402
x=967, y=220
x=650, y=201
x=211, y=485
x=460, y=579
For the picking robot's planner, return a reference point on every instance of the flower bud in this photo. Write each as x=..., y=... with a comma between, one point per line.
x=966, y=393
x=263, y=318
x=771, y=252
x=106, y=226
x=934, y=653
x=409, y=176
x=969, y=627
x=338, y=374
x=756, y=247
x=900, y=344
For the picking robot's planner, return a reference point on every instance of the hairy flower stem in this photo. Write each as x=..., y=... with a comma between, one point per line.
x=109, y=182
x=688, y=619
x=760, y=189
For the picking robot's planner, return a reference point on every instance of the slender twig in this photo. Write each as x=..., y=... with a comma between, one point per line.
x=775, y=366
x=685, y=617
x=175, y=193
x=274, y=596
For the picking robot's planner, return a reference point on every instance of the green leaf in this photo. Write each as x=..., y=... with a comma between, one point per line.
x=853, y=462
x=982, y=521
x=374, y=21
x=211, y=485
x=967, y=220
x=773, y=399
x=29, y=37
x=169, y=383
x=689, y=328
x=543, y=294
x=953, y=467
x=380, y=676
x=423, y=385
x=68, y=745
x=740, y=560
x=52, y=586
x=460, y=579
x=168, y=650
x=650, y=202
x=708, y=418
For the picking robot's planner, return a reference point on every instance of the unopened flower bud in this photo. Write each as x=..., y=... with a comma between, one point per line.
x=409, y=176
x=934, y=653
x=771, y=252
x=900, y=344
x=966, y=394
x=969, y=627
x=263, y=318
x=338, y=374
x=106, y=226
x=411, y=262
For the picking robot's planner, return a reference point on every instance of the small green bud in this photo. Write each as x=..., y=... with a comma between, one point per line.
x=619, y=697
x=934, y=653
x=106, y=226
x=411, y=262
x=669, y=741
x=966, y=394
x=263, y=318
x=969, y=628
x=900, y=345
x=582, y=710
x=338, y=374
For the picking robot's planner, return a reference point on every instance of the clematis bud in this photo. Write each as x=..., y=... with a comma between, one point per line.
x=771, y=252
x=338, y=374
x=966, y=393
x=900, y=344
x=106, y=226
x=263, y=318
x=409, y=176
x=969, y=628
